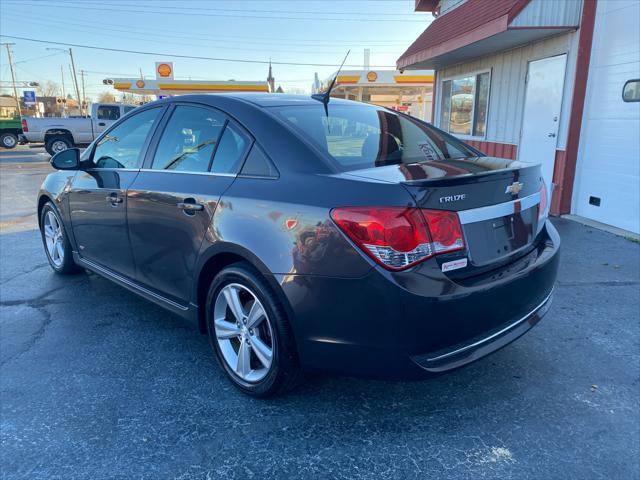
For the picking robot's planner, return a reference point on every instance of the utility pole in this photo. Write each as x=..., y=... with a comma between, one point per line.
x=13, y=76
x=84, y=98
x=75, y=80
x=64, y=95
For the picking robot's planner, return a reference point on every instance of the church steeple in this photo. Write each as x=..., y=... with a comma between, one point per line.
x=270, y=80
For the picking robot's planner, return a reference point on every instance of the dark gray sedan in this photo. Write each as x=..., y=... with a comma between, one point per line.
x=343, y=238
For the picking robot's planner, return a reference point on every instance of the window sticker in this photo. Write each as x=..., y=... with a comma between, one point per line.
x=428, y=151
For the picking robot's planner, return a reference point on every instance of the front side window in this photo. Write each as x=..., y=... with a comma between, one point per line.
x=122, y=146
x=463, y=105
x=108, y=112
x=363, y=136
x=189, y=139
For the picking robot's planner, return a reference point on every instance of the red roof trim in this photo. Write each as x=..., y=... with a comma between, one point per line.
x=517, y=8
x=472, y=21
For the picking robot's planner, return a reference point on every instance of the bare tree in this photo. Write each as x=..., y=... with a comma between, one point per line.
x=106, y=97
x=48, y=88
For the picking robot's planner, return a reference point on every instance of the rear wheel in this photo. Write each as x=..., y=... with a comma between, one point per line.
x=250, y=334
x=55, y=240
x=8, y=140
x=54, y=145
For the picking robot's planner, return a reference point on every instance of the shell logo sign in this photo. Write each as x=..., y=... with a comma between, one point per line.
x=164, y=70
x=140, y=84
x=372, y=76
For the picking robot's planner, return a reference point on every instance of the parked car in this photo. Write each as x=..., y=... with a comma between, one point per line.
x=58, y=134
x=10, y=131
x=402, y=254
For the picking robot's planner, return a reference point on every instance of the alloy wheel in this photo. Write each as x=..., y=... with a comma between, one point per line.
x=54, y=238
x=243, y=332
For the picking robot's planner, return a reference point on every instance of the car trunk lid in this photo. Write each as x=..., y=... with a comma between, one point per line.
x=496, y=200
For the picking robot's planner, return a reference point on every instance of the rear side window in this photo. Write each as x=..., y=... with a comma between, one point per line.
x=106, y=112
x=189, y=140
x=258, y=165
x=231, y=151
x=363, y=136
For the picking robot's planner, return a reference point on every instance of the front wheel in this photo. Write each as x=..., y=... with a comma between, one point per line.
x=57, y=144
x=55, y=241
x=8, y=140
x=250, y=334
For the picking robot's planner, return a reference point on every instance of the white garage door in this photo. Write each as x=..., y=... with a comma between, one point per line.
x=607, y=187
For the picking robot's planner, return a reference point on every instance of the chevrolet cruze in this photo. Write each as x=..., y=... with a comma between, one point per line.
x=306, y=236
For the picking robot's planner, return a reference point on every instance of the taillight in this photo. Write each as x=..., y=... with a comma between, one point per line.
x=24, y=125
x=398, y=238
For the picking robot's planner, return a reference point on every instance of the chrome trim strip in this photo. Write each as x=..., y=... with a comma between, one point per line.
x=211, y=174
x=497, y=334
x=126, y=281
x=498, y=210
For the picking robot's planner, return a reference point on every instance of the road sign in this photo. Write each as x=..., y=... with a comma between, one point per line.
x=29, y=97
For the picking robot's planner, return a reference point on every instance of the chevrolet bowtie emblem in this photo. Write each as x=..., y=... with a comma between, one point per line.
x=514, y=188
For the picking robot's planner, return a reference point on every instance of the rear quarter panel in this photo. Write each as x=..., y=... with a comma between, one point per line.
x=286, y=224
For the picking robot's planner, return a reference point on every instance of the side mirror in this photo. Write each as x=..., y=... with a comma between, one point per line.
x=68, y=159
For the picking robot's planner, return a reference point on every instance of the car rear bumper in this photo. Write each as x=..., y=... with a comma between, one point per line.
x=419, y=323
x=476, y=348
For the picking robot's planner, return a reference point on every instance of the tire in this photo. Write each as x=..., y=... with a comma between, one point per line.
x=54, y=145
x=284, y=372
x=9, y=140
x=56, y=246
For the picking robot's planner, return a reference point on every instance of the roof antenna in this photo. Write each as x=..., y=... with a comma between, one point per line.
x=326, y=95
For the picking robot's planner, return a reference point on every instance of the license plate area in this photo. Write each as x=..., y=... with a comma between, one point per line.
x=493, y=239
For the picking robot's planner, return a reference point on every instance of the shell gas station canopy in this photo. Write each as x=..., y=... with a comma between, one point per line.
x=165, y=85
x=410, y=92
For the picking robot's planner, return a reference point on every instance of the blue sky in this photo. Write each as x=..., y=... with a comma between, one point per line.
x=285, y=30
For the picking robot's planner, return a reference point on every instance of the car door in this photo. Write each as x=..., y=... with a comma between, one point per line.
x=97, y=194
x=194, y=158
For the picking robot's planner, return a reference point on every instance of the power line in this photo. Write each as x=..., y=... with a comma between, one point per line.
x=177, y=55
x=32, y=59
x=156, y=39
x=258, y=40
x=249, y=10
x=242, y=38
x=202, y=14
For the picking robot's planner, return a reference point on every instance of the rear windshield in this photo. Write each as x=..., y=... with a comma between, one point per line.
x=363, y=136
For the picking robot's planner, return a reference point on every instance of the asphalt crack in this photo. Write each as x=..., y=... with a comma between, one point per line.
x=39, y=304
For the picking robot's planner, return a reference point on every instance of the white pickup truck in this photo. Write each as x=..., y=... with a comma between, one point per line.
x=58, y=134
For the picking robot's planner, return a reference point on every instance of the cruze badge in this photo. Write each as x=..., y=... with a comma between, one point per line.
x=453, y=198
x=514, y=188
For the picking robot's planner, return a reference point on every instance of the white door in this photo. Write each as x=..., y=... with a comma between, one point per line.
x=607, y=184
x=543, y=101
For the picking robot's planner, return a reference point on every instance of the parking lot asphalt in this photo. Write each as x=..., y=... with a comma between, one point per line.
x=97, y=383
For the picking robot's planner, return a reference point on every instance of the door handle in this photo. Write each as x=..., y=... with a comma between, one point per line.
x=190, y=206
x=113, y=199
x=552, y=135
x=102, y=124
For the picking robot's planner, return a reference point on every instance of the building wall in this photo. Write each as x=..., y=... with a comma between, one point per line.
x=507, y=89
x=608, y=162
x=549, y=13
x=446, y=5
